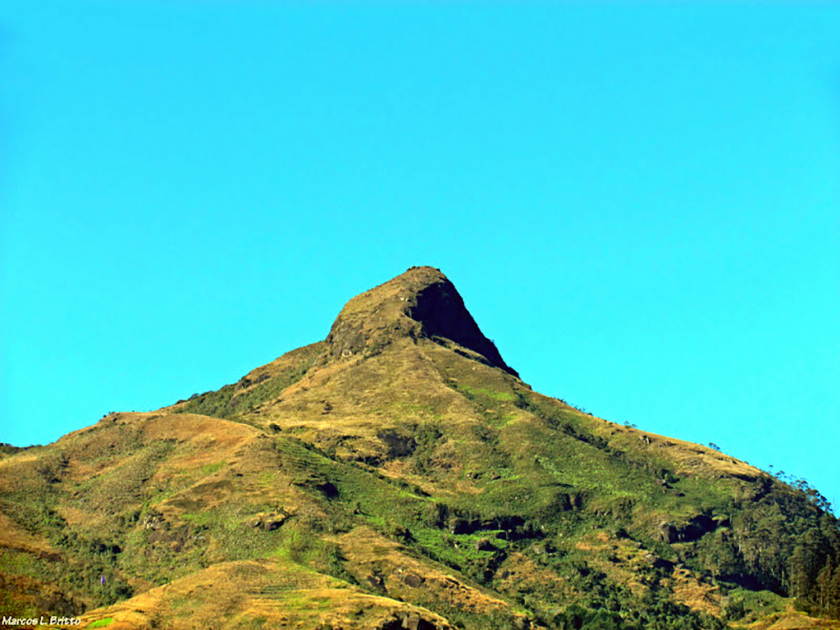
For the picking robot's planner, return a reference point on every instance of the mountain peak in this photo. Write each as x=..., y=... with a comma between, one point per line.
x=420, y=303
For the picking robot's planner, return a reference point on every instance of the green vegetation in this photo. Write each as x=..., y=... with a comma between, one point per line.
x=233, y=401
x=8, y=449
x=405, y=470
x=209, y=469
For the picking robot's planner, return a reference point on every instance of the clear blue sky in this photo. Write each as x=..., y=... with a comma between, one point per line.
x=639, y=203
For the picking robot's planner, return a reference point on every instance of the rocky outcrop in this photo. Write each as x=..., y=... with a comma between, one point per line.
x=421, y=303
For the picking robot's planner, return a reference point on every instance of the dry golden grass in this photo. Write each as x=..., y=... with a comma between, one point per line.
x=621, y=560
x=266, y=593
x=376, y=560
x=13, y=536
x=790, y=620
x=520, y=574
x=548, y=488
x=695, y=593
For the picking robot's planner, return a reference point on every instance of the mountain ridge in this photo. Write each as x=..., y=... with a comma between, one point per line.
x=399, y=474
x=421, y=302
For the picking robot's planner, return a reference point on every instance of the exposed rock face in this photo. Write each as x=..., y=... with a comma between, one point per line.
x=422, y=302
x=440, y=310
x=268, y=521
x=689, y=531
x=410, y=622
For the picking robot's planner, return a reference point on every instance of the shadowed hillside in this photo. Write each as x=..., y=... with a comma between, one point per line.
x=398, y=475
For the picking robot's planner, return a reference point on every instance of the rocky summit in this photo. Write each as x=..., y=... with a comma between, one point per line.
x=400, y=475
x=420, y=303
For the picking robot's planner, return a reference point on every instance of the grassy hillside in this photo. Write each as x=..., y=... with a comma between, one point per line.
x=400, y=475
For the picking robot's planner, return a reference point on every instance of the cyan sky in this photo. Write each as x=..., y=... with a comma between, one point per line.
x=639, y=202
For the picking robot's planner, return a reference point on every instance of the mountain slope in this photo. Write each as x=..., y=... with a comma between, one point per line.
x=400, y=474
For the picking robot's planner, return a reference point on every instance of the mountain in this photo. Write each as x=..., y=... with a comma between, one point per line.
x=400, y=475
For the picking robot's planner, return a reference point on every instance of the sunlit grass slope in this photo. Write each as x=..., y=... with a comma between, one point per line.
x=400, y=475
